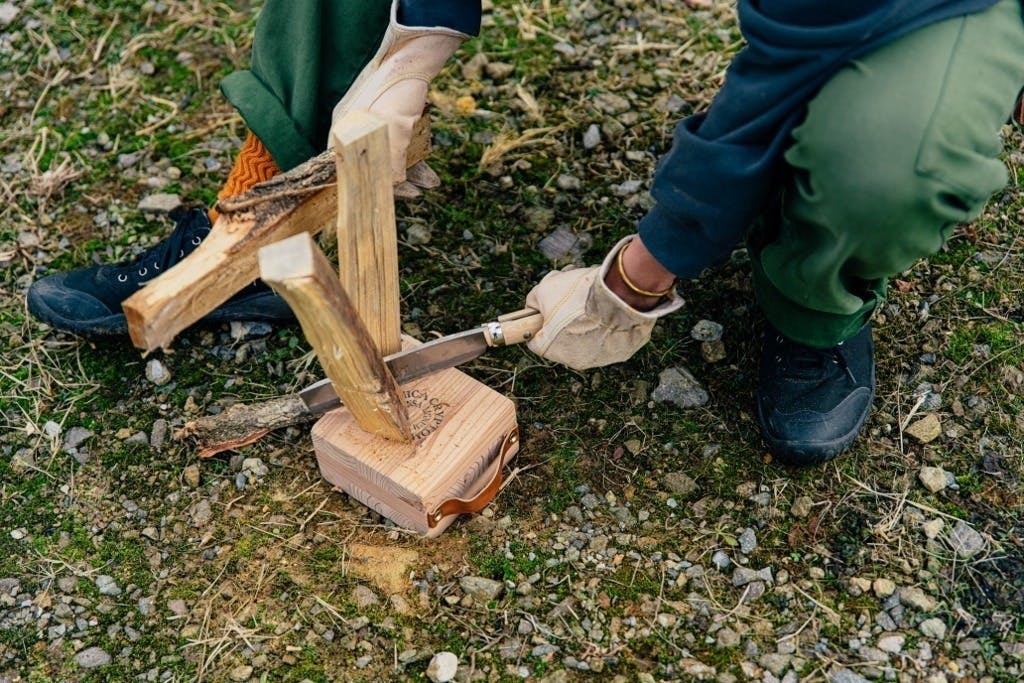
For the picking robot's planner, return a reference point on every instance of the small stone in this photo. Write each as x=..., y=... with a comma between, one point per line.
x=883, y=588
x=151, y=533
x=933, y=628
x=442, y=667
x=712, y=352
x=917, y=598
x=8, y=12
x=418, y=233
x=177, y=607
x=679, y=387
x=158, y=434
x=721, y=560
x=592, y=137
x=610, y=103
x=706, y=331
x=564, y=245
x=891, y=643
x=748, y=541
x=241, y=673
x=244, y=331
x=473, y=68
x=753, y=592
x=254, y=469
x=75, y=437
x=201, y=513
x=364, y=597
x=51, y=429
x=847, y=676
x=160, y=203
x=191, y=475
x=926, y=429
x=933, y=528
x=802, y=507
x=965, y=541
x=106, y=585
x=726, y=637
x=627, y=188
x=92, y=658
x=681, y=484
x=569, y=183
x=157, y=372
x=744, y=575
x=481, y=589
x=776, y=663
x=363, y=661
x=499, y=71
x=933, y=478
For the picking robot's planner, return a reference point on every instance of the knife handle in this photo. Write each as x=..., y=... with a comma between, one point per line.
x=514, y=328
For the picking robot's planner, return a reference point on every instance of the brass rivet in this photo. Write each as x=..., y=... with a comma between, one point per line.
x=513, y=438
x=438, y=515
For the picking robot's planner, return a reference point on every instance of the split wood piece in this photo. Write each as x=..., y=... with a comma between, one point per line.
x=301, y=200
x=367, y=234
x=459, y=425
x=300, y=272
x=243, y=424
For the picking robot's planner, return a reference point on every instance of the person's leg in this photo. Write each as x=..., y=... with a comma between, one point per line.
x=459, y=15
x=895, y=150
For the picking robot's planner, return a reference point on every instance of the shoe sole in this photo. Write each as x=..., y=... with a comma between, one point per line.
x=262, y=307
x=806, y=454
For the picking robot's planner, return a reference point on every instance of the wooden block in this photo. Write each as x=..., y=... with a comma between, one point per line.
x=459, y=426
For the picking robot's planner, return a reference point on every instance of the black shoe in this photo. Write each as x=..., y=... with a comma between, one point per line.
x=812, y=403
x=88, y=301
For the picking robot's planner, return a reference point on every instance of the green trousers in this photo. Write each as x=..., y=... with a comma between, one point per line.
x=896, y=150
x=305, y=55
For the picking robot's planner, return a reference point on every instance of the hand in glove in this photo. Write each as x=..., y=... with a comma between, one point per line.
x=586, y=324
x=394, y=86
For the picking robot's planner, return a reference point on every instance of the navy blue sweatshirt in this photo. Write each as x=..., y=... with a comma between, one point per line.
x=724, y=164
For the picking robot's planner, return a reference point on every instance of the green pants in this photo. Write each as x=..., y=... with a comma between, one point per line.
x=305, y=55
x=896, y=149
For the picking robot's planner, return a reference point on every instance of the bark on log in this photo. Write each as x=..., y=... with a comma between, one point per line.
x=243, y=424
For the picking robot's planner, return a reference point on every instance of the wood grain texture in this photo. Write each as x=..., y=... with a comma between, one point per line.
x=300, y=272
x=458, y=427
x=367, y=234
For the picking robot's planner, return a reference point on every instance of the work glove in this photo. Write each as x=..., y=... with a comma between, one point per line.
x=585, y=324
x=394, y=85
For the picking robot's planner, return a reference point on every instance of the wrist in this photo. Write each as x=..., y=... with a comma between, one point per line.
x=638, y=278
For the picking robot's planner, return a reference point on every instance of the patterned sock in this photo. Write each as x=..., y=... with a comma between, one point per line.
x=253, y=165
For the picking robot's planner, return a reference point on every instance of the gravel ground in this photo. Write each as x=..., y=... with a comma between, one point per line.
x=645, y=534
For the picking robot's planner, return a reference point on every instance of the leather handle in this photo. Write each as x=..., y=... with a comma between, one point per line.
x=458, y=506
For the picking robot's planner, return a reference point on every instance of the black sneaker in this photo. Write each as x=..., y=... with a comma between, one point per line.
x=812, y=403
x=88, y=301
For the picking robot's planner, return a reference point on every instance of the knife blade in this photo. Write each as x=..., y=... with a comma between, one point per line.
x=439, y=354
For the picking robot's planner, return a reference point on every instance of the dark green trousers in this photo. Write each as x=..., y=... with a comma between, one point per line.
x=305, y=55
x=895, y=151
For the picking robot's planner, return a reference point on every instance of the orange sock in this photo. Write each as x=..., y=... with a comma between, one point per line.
x=253, y=165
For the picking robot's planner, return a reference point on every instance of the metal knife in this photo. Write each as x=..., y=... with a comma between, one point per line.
x=439, y=354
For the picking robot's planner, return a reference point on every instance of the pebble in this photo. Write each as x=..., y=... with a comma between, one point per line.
x=92, y=658
x=244, y=331
x=158, y=434
x=160, y=203
x=569, y=183
x=51, y=429
x=499, y=71
x=201, y=512
x=706, y=331
x=883, y=588
x=917, y=598
x=177, y=607
x=364, y=597
x=157, y=372
x=925, y=430
x=442, y=667
x=744, y=575
x=721, y=560
x=241, y=673
x=191, y=475
x=592, y=137
x=891, y=643
x=564, y=245
x=610, y=103
x=933, y=478
x=473, y=68
x=933, y=628
x=802, y=507
x=363, y=661
x=254, y=468
x=106, y=585
x=965, y=541
x=75, y=437
x=726, y=637
x=8, y=12
x=627, y=188
x=418, y=233
x=933, y=528
x=679, y=387
x=681, y=484
x=847, y=676
x=748, y=541
x=480, y=588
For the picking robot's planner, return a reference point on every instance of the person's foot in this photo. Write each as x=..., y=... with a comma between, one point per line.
x=812, y=403
x=88, y=301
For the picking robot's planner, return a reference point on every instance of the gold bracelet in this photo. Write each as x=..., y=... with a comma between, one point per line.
x=629, y=283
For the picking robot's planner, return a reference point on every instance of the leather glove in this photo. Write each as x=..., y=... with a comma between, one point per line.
x=585, y=324
x=394, y=84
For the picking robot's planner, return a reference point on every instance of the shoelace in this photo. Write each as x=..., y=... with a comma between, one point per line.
x=192, y=226
x=804, y=358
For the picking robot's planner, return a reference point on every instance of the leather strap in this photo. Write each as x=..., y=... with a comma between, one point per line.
x=458, y=506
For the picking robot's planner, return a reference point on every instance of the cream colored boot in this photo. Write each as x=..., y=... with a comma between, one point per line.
x=394, y=85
